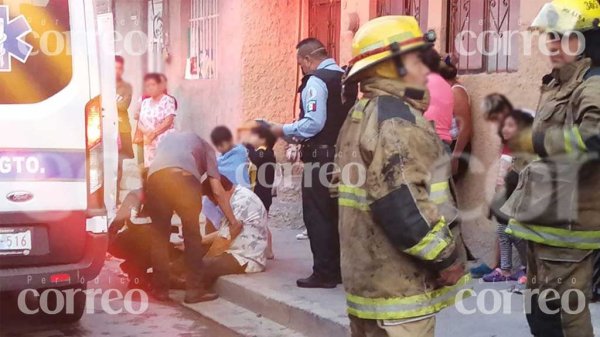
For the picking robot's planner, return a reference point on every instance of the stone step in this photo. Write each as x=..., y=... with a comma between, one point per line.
x=240, y=321
x=274, y=294
x=303, y=315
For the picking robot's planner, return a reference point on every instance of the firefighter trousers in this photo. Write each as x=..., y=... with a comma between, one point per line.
x=560, y=284
x=418, y=327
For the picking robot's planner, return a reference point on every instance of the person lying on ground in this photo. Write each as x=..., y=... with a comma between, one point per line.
x=129, y=240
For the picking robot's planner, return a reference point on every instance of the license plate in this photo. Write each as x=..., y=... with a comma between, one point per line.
x=17, y=240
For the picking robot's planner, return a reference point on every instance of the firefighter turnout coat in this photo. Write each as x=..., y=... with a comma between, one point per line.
x=566, y=128
x=398, y=220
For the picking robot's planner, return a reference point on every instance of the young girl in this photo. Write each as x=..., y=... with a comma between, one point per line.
x=514, y=121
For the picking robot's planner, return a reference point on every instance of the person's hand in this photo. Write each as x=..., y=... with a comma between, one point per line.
x=149, y=137
x=277, y=130
x=235, y=229
x=451, y=275
x=455, y=164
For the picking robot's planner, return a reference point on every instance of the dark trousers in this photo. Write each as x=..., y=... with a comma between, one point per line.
x=170, y=191
x=320, y=212
x=596, y=277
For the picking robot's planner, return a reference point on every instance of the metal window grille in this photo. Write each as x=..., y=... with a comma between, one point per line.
x=490, y=44
x=416, y=8
x=204, y=38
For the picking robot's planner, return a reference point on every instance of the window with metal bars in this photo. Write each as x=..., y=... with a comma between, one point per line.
x=416, y=8
x=483, y=35
x=204, y=38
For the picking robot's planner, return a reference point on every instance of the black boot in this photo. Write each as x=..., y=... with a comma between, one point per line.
x=199, y=295
x=316, y=281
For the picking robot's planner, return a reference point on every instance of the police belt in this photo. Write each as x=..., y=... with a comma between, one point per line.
x=312, y=152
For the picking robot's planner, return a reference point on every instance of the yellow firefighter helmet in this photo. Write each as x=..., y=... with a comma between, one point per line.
x=382, y=39
x=565, y=16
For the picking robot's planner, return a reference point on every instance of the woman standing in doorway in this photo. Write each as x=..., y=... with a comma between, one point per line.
x=157, y=116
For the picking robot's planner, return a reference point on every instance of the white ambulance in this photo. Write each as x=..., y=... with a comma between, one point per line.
x=57, y=146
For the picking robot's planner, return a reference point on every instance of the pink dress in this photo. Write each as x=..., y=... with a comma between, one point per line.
x=152, y=114
x=441, y=106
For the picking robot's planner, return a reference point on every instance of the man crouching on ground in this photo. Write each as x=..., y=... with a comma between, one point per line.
x=182, y=162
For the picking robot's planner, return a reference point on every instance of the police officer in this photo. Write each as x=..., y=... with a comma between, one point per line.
x=562, y=223
x=402, y=253
x=321, y=116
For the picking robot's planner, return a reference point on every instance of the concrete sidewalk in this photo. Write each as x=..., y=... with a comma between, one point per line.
x=269, y=304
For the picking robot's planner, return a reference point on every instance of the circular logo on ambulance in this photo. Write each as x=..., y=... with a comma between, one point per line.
x=19, y=196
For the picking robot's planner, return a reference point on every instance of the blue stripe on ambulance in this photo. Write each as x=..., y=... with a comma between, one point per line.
x=42, y=165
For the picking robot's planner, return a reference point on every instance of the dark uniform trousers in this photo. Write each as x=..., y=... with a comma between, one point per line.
x=320, y=210
x=169, y=191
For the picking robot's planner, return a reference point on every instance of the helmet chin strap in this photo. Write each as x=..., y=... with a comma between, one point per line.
x=395, y=47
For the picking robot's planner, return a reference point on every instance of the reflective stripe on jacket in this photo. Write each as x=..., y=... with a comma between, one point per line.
x=556, y=237
x=407, y=307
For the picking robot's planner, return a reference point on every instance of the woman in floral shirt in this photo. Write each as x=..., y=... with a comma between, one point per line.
x=237, y=250
x=157, y=116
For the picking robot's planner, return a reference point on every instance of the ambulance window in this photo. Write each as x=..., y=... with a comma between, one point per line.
x=33, y=74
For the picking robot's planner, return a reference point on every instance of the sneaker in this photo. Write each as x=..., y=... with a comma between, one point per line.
x=480, y=271
x=496, y=276
x=302, y=236
x=516, y=276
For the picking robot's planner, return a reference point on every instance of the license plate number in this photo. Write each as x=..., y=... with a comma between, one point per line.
x=18, y=240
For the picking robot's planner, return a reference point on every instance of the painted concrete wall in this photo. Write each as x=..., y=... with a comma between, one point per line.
x=131, y=41
x=269, y=66
x=204, y=104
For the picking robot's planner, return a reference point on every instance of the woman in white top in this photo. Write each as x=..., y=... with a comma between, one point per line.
x=463, y=124
x=157, y=116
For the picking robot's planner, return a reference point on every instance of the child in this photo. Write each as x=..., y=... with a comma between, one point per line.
x=260, y=145
x=514, y=121
x=495, y=107
x=233, y=162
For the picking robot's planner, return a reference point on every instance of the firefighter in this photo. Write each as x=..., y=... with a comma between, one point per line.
x=402, y=254
x=556, y=206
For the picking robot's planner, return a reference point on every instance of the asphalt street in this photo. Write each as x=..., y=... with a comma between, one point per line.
x=157, y=320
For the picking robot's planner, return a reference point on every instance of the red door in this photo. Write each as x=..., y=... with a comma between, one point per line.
x=324, y=24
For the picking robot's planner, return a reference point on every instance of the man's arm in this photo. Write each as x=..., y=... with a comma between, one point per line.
x=462, y=110
x=224, y=203
x=125, y=101
x=314, y=100
x=208, y=239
